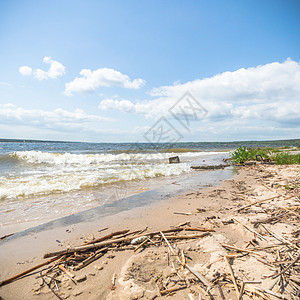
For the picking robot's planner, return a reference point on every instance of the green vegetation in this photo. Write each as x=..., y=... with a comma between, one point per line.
x=278, y=156
x=286, y=158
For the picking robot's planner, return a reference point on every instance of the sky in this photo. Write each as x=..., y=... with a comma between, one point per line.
x=150, y=71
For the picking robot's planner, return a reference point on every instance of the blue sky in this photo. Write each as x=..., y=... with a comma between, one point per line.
x=110, y=71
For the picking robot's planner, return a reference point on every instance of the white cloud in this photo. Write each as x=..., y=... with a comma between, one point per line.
x=25, y=70
x=268, y=92
x=91, y=80
x=58, y=119
x=122, y=105
x=3, y=83
x=56, y=69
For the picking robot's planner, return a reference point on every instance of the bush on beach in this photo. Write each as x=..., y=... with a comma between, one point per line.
x=280, y=157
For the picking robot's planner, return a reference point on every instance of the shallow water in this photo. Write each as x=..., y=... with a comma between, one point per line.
x=196, y=181
x=44, y=181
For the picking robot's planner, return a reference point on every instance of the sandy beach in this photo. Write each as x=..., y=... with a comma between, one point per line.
x=256, y=213
x=150, y=150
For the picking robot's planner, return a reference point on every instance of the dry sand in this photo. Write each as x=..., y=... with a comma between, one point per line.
x=142, y=274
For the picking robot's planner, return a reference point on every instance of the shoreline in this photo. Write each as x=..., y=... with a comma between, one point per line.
x=65, y=204
x=217, y=204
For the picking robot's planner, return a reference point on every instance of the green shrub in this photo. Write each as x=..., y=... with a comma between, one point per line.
x=242, y=154
x=285, y=158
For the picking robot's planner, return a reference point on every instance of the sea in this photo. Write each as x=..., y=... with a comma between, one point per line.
x=40, y=181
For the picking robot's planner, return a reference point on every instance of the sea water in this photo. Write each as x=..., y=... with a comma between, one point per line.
x=40, y=181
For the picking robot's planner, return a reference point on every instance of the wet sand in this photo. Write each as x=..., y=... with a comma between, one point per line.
x=135, y=271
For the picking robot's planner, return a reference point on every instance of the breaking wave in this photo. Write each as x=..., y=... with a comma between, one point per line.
x=65, y=180
x=39, y=157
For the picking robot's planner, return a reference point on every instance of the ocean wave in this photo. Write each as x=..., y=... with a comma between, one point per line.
x=39, y=157
x=62, y=181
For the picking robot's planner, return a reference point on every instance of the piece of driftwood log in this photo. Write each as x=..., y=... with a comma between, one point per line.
x=141, y=245
x=280, y=296
x=106, y=243
x=233, y=277
x=209, y=167
x=240, y=249
x=200, y=277
x=66, y=271
x=172, y=289
x=256, y=202
x=130, y=233
x=199, y=229
x=4, y=282
x=106, y=237
x=183, y=213
x=6, y=236
x=90, y=259
x=278, y=237
x=201, y=289
x=250, y=229
x=243, y=287
x=192, y=236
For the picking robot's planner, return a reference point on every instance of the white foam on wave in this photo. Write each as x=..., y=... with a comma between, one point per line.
x=39, y=157
x=64, y=181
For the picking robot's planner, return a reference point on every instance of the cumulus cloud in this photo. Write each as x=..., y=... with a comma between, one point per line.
x=55, y=70
x=268, y=92
x=25, y=70
x=124, y=105
x=115, y=104
x=57, y=119
x=91, y=80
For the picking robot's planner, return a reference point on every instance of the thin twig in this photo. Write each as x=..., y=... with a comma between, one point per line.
x=50, y=287
x=285, y=269
x=250, y=229
x=233, y=277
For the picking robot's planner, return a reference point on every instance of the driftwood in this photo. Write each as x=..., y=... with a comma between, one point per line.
x=240, y=249
x=50, y=287
x=105, y=243
x=6, y=236
x=256, y=202
x=66, y=271
x=266, y=220
x=200, y=277
x=170, y=290
x=243, y=287
x=90, y=259
x=285, y=269
x=250, y=229
x=106, y=237
x=4, y=282
x=233, y=277
x=198, y=229
x=141, y=245
x=192, y=236
x=209, y=167
x=285, y=265
x=278, y=237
